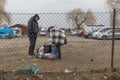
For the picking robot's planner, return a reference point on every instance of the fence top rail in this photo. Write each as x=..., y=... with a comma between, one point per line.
x=51, y=13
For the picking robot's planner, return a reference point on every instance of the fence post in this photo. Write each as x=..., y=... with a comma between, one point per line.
x=113, y=39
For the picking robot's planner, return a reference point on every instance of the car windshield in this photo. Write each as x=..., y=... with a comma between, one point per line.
x=105, y=29
x=95, y=30
x=43, y=31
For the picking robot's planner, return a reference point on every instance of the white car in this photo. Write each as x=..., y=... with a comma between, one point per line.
x=108, y=34
x=74, y=32
x=17, y=32
x=99, y=31
x=43, y=32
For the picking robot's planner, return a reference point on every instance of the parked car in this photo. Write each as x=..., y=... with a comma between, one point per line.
x=101, y=30
x=43, y=32
x=74, y=32
x=6, y=32
x=17, y=32
x=81, y=33
x=88, y=35
x=108, y=34
x=91, y=28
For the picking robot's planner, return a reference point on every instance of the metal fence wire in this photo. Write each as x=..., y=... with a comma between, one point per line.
x=80, y=53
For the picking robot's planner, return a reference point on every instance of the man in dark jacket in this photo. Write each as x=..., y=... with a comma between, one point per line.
x=32, y=33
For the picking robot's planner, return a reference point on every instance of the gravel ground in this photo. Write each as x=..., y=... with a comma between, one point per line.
x=80, y=54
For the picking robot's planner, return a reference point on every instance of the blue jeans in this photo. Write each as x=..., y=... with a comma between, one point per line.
x=55, y=50
x=59, y=50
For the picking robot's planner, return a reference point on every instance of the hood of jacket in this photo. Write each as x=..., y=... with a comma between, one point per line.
x=36, y=15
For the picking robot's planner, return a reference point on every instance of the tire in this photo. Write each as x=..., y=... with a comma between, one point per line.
x=8, y=37
x=104, y=37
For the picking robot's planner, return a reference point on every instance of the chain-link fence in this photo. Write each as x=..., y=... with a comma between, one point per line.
x=80, y=53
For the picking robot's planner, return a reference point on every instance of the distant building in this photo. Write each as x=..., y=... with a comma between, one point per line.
x=23, y=27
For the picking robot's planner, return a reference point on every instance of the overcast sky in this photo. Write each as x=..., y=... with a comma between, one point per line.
x=55, y=6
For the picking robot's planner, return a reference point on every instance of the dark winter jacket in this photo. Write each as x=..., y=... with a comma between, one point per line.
x=33, y=26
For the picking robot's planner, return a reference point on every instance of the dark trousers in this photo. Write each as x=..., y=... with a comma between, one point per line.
x=32, y=40
x=59, y=49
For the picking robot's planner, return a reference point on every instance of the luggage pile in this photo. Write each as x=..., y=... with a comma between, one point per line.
x=45, y=52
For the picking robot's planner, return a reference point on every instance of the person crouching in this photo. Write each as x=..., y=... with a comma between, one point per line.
x=58, y=38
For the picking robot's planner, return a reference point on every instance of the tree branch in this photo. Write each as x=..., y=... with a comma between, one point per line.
x=83, y=21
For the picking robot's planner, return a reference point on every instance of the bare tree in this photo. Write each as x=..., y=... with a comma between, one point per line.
x=90, y=18
x=78, y=17
x=4, y=16
x=114, y=4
